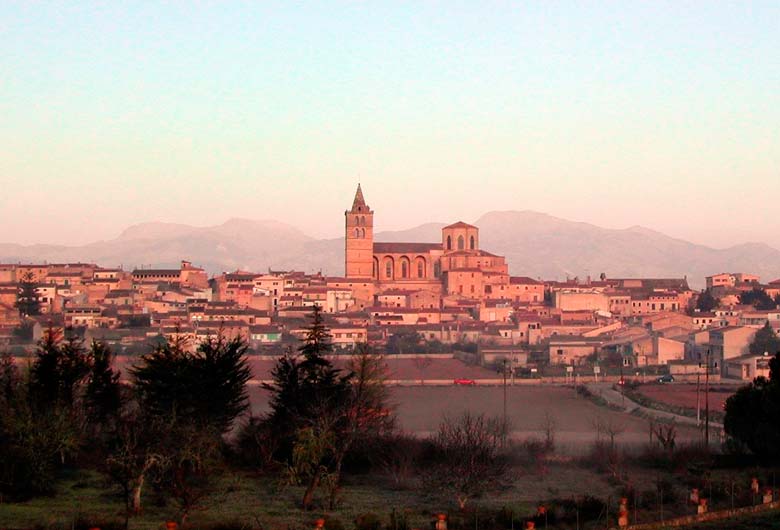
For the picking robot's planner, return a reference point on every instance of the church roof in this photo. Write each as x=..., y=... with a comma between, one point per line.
x=404, y=248
x=459, y=224
x=359, y=203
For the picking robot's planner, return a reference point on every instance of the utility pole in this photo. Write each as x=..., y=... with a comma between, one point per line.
x=707, y=402
x=698, y=399
x=505, y=424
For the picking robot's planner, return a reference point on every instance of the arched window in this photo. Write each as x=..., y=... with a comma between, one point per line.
x=363, y=232
x=357, y=232
x=389, y=269
x=361, y=221
x=471, y=243
x=437, y=269
x=461, y=243
x=420, y=267
x=404, y=269
x=449, y=243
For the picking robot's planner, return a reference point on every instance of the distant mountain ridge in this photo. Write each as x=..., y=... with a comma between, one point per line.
x=535, y=244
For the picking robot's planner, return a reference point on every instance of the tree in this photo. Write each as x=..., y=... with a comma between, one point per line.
x=309, y=399
x=706, y=302
x=185, y=402
x=27, y=300
x=366, y=412
x=422, y=362
x=319, y=412
x=61, y=366
x=9, y=379
x=103, y=395
x=206, y=387
x=404, y=341
x=758, y=299
x=134, y=453
x=469, y=459
x=765, y=341
x=753, y=414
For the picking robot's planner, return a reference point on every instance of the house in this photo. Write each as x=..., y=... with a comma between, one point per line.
x=747, y=367
x=730, y=342
x=571, y=350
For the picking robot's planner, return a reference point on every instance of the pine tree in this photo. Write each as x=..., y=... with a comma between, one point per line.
x=706, y=302
x=103, y=396
x=27, y=301
x=60, y=366
x=765, y=341
x=206, y=387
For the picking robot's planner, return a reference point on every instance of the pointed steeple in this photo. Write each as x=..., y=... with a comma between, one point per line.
x=359, y=204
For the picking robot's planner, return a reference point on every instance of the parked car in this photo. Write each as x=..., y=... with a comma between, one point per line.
x=668, y=378
x=465, y=382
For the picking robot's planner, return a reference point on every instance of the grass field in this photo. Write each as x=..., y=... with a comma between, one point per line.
x=420, y=409
x=256, y=501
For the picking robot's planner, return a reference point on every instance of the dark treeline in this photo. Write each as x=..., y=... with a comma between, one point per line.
x=164, y=431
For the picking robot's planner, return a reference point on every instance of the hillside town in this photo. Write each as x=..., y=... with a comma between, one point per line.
x=441, y=297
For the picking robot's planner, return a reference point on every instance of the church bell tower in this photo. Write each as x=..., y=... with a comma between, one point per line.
x=359, y=239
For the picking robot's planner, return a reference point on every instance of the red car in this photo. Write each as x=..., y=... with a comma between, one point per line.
x=465, y=382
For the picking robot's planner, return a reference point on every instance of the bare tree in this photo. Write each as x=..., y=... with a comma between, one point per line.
x=666, y=435
x=470, y=459
x=132, y=458
x=549, y=427
x=422, y=363
x=399, y=458
x=609, y=428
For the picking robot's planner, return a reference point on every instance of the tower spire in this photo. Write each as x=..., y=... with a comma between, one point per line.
x=359, y=202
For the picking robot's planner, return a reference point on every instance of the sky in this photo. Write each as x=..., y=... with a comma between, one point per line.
x=660, y=114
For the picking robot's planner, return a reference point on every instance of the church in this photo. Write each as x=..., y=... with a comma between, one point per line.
x=443, y=273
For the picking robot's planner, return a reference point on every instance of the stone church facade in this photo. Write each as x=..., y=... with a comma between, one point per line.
x=452, y=270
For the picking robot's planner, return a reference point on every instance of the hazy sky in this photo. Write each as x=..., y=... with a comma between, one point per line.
x=616, y=113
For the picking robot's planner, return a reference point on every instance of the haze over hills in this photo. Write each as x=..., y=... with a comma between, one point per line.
x=535, y=244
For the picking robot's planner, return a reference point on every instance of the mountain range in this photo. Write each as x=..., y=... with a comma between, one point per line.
x=535, y=244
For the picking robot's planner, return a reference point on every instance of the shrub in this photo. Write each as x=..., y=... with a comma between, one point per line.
x=368, y=521
x=234, y=524
x=398, y=521
x=333, y=523
x=83, y=523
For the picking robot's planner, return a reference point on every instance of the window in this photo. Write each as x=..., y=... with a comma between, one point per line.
x=419, y=269
x=389, y=269
x=357, y=232
x=471, y=243
x=461, y=243
x=449, y=243
x=404, y=269
x=437, y=269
